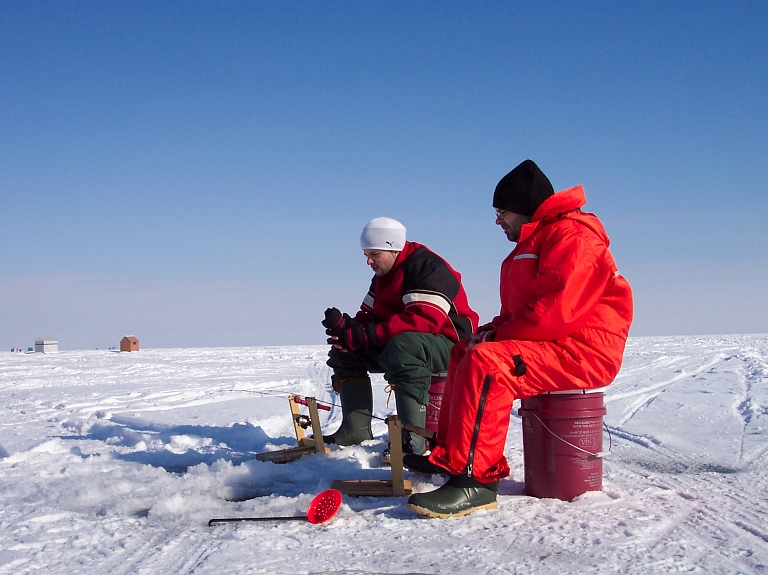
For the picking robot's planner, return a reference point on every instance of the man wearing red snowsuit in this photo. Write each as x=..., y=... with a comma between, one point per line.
x=564, y=321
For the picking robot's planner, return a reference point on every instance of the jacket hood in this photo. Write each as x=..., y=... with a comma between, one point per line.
x=567, y=203
x=561, y=203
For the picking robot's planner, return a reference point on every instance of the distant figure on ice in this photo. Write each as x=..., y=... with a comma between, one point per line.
x=415, y=311
x=564, y=320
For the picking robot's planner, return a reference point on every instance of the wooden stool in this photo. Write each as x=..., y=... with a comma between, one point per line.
x=398, y=486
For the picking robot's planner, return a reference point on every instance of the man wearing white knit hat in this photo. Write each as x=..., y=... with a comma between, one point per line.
x=415, y=310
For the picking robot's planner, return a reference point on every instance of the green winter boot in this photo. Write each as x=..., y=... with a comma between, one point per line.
x=409, y=410
x=356, y=397
x=460, y=496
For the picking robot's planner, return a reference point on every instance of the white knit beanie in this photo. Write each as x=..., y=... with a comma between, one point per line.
x=383, y=234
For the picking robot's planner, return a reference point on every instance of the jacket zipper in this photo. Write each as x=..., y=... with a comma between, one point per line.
x=478, y=419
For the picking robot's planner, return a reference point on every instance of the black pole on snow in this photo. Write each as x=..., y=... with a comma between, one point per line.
x=238, y=519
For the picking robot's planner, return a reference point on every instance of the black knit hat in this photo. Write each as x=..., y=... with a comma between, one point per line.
x=522, y=190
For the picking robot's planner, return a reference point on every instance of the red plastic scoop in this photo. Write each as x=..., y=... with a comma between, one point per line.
x=322, y=508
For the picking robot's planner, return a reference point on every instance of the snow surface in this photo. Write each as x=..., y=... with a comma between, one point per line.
x=114, y=462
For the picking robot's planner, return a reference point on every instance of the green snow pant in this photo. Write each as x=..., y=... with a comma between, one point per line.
x=407, y=362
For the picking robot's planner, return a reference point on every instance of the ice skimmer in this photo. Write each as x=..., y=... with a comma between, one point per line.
x=322, y=508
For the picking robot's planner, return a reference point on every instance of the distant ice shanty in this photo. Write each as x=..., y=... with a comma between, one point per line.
x=129, y=343
x=46, y=345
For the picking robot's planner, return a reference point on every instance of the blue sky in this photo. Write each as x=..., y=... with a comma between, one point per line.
x=198, y=173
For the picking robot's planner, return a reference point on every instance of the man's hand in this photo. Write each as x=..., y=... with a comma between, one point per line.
x=475, y=339
x=333, y=319
x=354, y=336
x=478, y=337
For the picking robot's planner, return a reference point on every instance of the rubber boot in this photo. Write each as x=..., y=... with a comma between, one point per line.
x=409, y=410
x=356, y=397
x=460, y=496
x=422, y=465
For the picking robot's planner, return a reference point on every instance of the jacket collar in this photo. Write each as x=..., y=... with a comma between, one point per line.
x=407, y=250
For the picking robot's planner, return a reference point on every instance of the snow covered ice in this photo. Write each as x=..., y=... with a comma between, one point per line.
x=114, y=462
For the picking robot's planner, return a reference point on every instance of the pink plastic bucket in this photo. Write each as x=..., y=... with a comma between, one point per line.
x=562, y=444
x=436, y=388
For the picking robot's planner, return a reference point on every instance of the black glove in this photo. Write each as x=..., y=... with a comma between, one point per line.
x=356, y=336
x=333, y=319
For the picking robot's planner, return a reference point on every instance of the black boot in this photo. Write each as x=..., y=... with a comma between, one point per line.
x=460, y=496
x=421, y=464
x=356, y=397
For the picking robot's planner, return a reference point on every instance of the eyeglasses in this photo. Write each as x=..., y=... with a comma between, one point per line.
x=501, y=214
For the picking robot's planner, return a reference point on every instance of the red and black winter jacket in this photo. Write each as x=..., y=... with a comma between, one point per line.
x=421, y=292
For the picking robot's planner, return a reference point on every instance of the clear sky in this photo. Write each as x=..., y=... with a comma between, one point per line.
x=198, y=173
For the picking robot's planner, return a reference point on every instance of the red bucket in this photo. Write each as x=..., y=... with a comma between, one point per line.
x=436, y=388
x=562, y=444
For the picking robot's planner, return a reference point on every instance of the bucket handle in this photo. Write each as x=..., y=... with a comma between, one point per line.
x=598, y=455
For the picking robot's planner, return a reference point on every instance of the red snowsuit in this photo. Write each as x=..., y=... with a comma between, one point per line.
x=564, y=320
